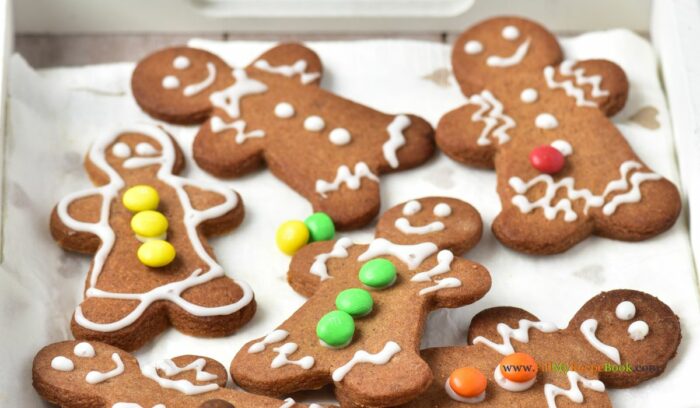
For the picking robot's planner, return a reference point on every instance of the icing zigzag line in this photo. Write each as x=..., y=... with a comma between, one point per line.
x=578, y=93
x=493, y=108
x=574, y=393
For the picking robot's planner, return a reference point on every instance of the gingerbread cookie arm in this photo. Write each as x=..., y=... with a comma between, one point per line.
x=75, y=219
x=464, y=136
x=291, y=60
x=214, y=204
x=313, y=263
x=452, y=282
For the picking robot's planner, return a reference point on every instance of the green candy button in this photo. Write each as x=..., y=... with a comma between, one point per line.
x=336, y=328
x=356, y=302
x=378, y=273
x=320, y=227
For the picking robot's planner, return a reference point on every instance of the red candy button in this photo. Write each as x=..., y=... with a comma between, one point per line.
x=547, y=159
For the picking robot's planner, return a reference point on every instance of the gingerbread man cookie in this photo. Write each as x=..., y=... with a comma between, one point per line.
x=362, y=325
x=76, y=374
x=329, y=149
x=146, y=227
x=618, y=339
x=564, y=170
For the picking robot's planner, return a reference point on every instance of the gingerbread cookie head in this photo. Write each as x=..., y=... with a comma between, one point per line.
x=273, y=112
x=146, y=227
x=564, y=170
x=79, y=374
x=515, y=359
x=361, y=327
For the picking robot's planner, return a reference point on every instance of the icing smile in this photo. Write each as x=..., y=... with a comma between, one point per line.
x=516, y=58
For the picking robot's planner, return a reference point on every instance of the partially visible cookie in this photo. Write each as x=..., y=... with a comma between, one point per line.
x=361, y=327
x=75, y=374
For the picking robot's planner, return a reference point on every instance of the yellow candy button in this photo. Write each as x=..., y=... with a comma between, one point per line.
x=140, y=198
x=291, y=236
x=149, y=224
x=156, y=253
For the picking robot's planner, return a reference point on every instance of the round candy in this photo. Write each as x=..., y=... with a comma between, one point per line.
x=156, y=253
x=149, y=224
x=335, y=329
x=140, y=198
x=320, y=227
x=467, y=382
x=518, y=367
x=378, y=273
x=291, y=236
x=356, y=302
x=547, y=159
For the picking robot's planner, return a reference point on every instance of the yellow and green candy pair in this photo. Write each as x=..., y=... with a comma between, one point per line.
x=292, y=235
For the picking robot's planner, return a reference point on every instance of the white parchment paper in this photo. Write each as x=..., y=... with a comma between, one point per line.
x=55, y=114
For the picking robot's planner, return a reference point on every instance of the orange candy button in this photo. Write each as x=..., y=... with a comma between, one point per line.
x=467, y=382
x=519, y=367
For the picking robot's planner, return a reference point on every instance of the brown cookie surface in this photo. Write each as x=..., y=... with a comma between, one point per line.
x=328, y=149
x=379, y=364
x=564, y=170
x=74, y=374
x=618, y=339
x=128, y=301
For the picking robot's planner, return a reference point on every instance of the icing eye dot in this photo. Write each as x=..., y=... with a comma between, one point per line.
x=284, y=110
x=181, y=62
x=121, y=150
x=314, y=124
x=473, y=47
x=510, y=33
x=145, y=149
x=546, y=121
x=625, y=310
x=61, y=363
x=411, y=207
x=339, y=136
x=638, y=330
x=563, y=146
x=529, y=95
x=84, y=350
x=442, y=210
x=170, y=82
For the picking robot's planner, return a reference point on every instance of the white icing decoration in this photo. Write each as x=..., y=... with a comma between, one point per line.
x=361, y=356
x=299, y=67
x=133, y=405
x=638, y=330
x=284, y=110
x=496, y=123
x=469, y=400
x=546, y=121
x=551, y=391
x=441, y=284
x=340, y=250
x=510, y=385
x=633, y=195
x=520, y=334
x=289, y=403
x=121, y=150
x=84, y=350
x=96, y=377
x=578, y=93
x=625, y=310
x=192, y=218
x=62, y=363
x=444, y=260
x=411, y=255
x=442, y=210
x=396, y=139
x=473, y=47
x=194, y=89
x=146, y=149
x=404, y=225
x=563, y=146
x=274, y=337
x=344, y=176
x=170, y=82
x=516, y=58
x=314, y=123
x=412, y=207
x=510, y=33
x=229, y=99
x=284, y=351
x=339, y=136
x=161, y=237
x=170, y=369
x=181, y=62
x=529, y=95
x=588, y=328
x=218, y=125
